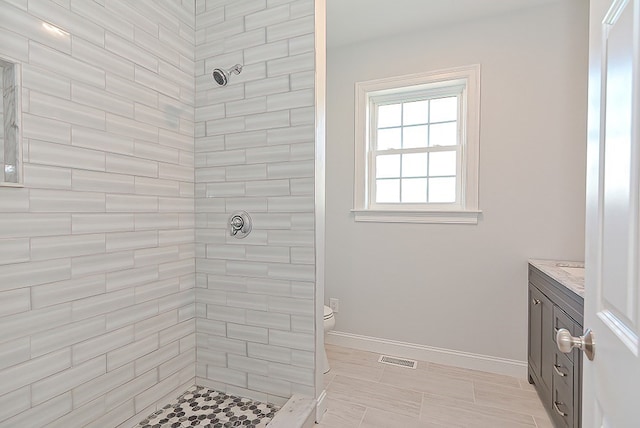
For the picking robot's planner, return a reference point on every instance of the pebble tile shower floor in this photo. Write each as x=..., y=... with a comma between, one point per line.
x=203, y=407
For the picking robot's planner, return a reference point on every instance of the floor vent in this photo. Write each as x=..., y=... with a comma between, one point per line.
x=399, y=362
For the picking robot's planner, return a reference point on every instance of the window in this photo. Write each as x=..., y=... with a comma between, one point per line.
x=417, y=148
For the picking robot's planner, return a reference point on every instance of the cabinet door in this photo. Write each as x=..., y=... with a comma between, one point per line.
x=540, y=350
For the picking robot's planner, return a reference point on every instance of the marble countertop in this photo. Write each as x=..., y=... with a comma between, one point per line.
x=568, y=273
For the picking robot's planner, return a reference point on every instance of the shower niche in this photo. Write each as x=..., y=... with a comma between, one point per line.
x=10, y=117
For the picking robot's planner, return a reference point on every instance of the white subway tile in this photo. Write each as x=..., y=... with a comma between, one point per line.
x=292, y=272
x=100, y=304
x=290, y=29
x=249, y=365
x=300, y=375
x=96, y=223
x=302, y=186
x=40, y=80
x=225, y=313
x=126, y=87
x=80, y=415
x=269, y=253
x=155, y=116
x=270, y=120
x=131, y=314
x=66, y=111
x=42, y=128
x=293, y=340
x=304, y=80
x=131, y=165
x=100, y=99
x=15, y=45
x=131, y=128
x=15, y=402
x=155, y=256
x=14, y=301
x=269, y=385
x=225, y=126
x=65, y=65
x=14, y=251
x=154, y=186
x=126, y=391
x=66, y=201
x=131, y=203
x=87, y=265
x=242, y=140
x=56, y=247
x=131, y=277
x=14, y=352
x=270, y=16
x=44, y=177
x=268, y=154
x=130, y=51
x=303, y=116
x=269, y=319
x=154, y=359
x=269, y=286
x=69, y=21
x=290, y=305
x=66, y=156
x=267, y=188
x=289, y=100
x=290, y=65
x=33, y=370
x=303, y=255
x=291, y=204
x=302, y=44
x=100, y=140
x=33, y=273
x=156, y=152
x=221, y=190
x=299, y=169
x=102, y=344
x=155, y=81
x=130, y=352
x=131, y=240
x=43, y=414
x=226, y=375
x=104, y=17
x=246, y=172
x=246, y=107
x=183, y=361
x=66, y=380
x=152, y=44
x=246, y=301
x=303, y=323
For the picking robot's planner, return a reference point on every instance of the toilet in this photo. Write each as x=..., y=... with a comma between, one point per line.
x=329, y=324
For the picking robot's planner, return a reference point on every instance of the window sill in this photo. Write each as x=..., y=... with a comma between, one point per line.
x=397, y=216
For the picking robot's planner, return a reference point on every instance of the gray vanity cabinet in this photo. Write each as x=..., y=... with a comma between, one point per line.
x=556, y=376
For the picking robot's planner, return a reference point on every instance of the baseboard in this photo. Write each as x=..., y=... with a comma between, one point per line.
x=321, y=405
x=415, y=351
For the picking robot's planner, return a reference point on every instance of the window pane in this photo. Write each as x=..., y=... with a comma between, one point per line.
x=442, y=163
x=387, y=191
x=444, y=134
x=388, y=166
x=415, y=113
x=442, y=189
x=414, y=190
x=414, y=136
x=389, y=138
x=389, y=115
x=444, y=109
x=414, y=165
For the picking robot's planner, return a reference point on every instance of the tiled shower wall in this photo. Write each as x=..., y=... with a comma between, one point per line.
x=97, y=313
x=255, y=152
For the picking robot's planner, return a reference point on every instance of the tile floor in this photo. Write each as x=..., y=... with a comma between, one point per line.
x=363, y=393
x=203, y=407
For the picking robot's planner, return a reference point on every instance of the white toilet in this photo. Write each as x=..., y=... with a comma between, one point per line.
x=329, y=324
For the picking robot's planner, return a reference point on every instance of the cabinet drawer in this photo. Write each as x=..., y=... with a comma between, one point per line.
x=562, y=320
x=562, y=407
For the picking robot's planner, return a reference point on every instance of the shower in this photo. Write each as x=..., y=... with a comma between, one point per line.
x=222, y=76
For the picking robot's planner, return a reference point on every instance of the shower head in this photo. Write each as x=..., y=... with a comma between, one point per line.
x=221, y=76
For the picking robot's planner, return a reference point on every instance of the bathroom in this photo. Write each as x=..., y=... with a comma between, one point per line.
x=121, y=285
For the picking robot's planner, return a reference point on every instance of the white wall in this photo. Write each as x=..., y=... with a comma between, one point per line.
x=97, y=311
x=462, y=287
x=255, y=152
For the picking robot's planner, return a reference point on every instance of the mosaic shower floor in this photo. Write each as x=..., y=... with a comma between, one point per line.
x=206, y=408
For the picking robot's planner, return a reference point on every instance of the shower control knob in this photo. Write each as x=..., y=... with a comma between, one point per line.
x=239, y=224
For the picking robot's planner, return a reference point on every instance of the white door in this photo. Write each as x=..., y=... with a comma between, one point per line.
x=611, y=388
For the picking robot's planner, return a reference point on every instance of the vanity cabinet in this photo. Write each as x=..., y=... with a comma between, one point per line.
x=556, y=376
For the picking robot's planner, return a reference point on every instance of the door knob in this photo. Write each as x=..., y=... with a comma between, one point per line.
x=566, y=342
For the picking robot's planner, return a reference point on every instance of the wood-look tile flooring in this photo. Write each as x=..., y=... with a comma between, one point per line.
x=362, y=393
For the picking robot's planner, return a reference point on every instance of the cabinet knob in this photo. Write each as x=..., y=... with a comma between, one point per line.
x=585, y=343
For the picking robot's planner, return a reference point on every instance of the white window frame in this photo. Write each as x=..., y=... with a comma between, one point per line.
x=462, y=80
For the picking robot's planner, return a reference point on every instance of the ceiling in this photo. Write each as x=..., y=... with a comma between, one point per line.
x=352, y=21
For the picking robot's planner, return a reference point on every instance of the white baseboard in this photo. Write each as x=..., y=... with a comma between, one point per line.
x=415, y=351
x=321, y=405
